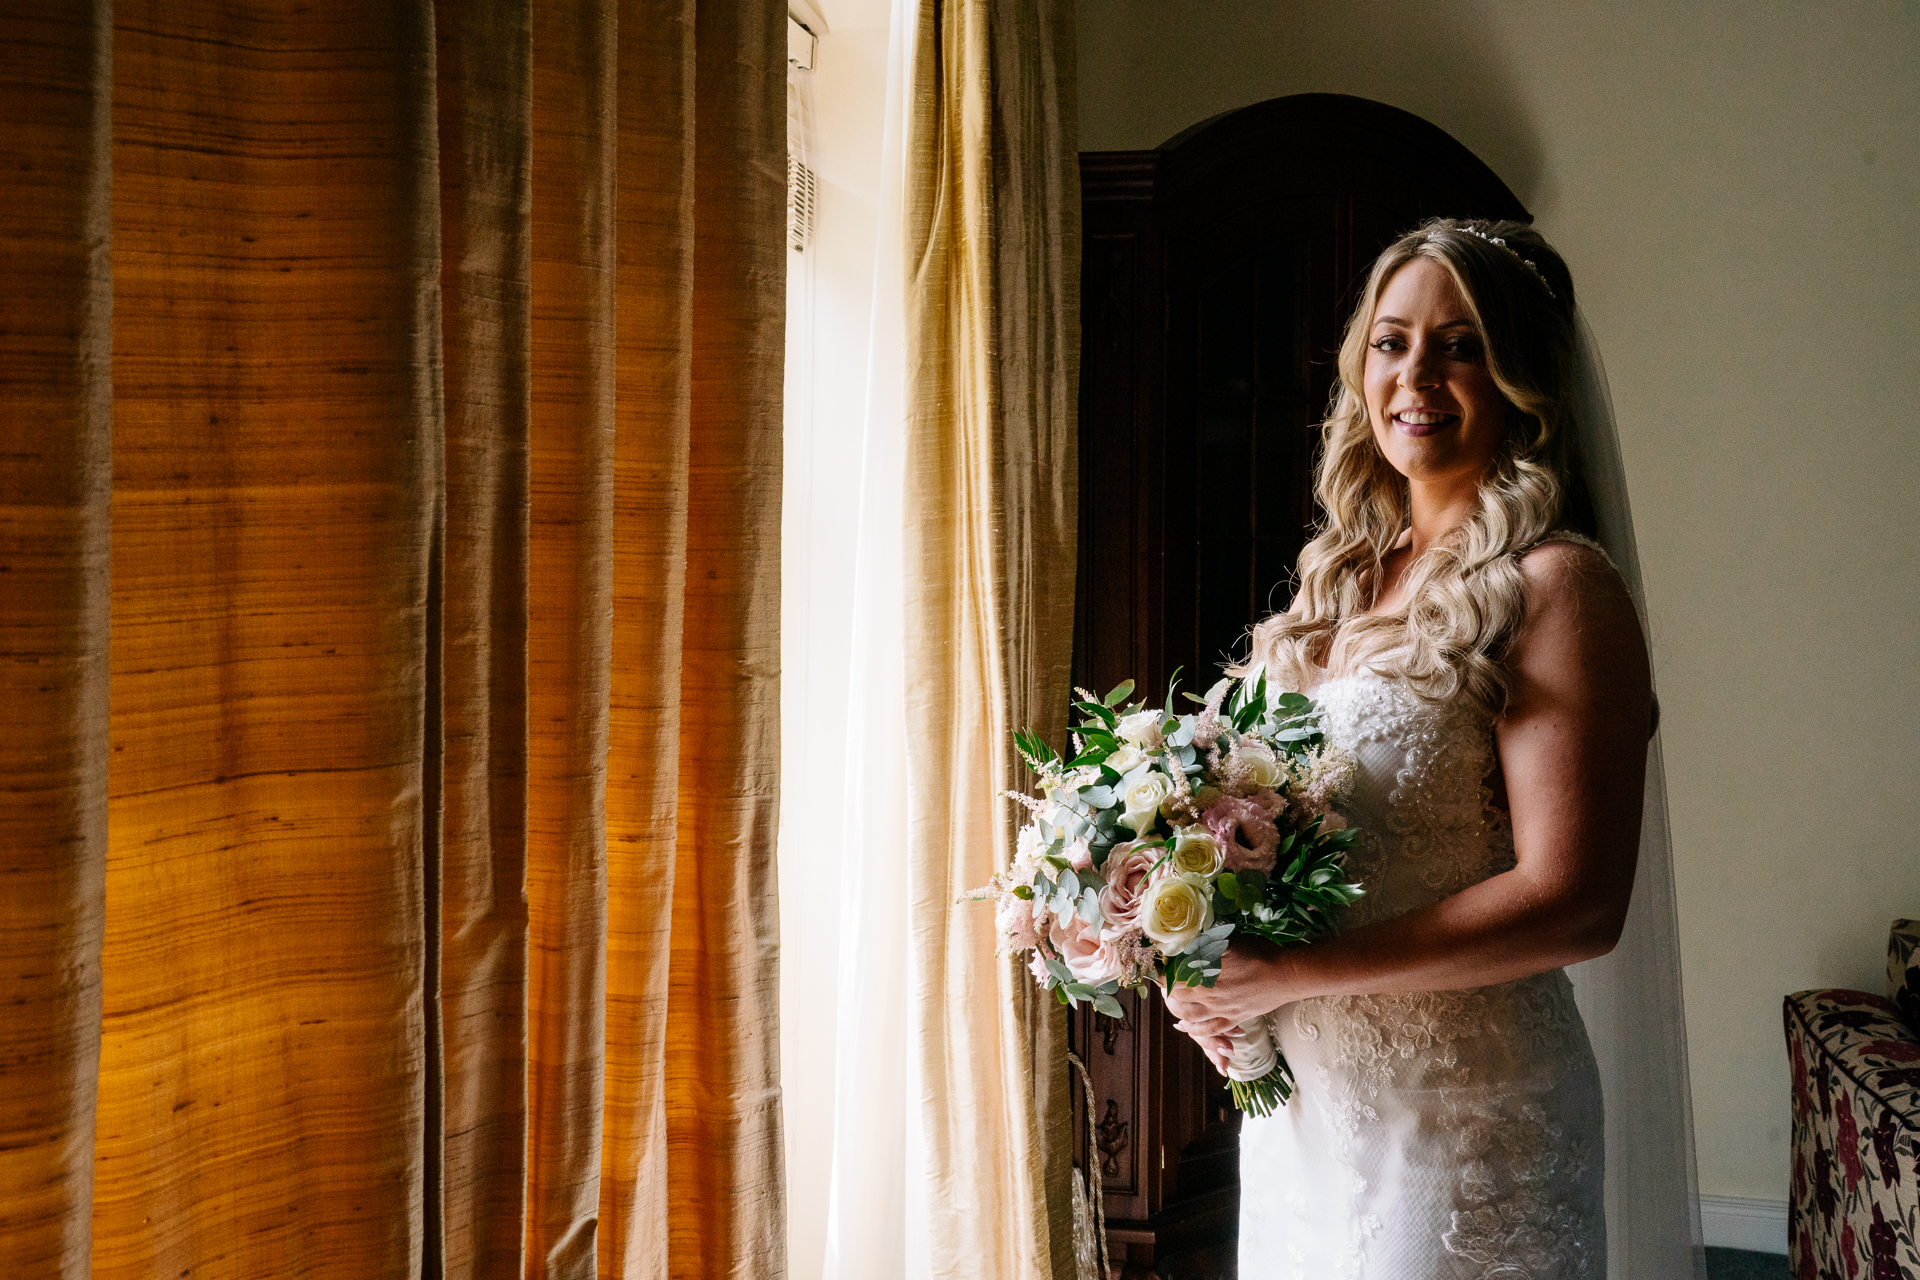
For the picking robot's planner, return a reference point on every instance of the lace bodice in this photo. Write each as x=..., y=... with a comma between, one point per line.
x=1441, y=1133
x=1420, y=796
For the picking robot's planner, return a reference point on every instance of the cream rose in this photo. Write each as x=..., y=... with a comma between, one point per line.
x=1126, y=759
x=1263, y=770
x=1177, y=909
x=1196, y=852
x=1141, y=799
x=1142, y=728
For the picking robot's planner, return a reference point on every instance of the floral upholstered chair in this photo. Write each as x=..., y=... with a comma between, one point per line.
x=1856, y=1125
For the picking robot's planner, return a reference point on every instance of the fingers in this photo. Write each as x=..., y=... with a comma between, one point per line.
x=1202, y=1026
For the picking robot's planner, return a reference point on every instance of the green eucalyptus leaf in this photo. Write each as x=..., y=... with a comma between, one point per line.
x=1118, y=693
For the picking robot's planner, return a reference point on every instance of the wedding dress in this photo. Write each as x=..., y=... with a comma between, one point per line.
x=1439, y=1135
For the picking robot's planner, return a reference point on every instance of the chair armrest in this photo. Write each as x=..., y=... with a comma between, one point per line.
x=1855, y=1207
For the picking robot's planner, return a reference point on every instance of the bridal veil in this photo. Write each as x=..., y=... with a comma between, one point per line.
x=1631, y=998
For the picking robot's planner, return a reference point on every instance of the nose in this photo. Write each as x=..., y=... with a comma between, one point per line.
x=1422, y=369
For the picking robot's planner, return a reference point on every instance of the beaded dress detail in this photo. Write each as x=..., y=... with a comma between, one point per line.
x=1442, y=1135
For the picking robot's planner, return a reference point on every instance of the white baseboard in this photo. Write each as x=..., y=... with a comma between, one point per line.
x=1735, y=1222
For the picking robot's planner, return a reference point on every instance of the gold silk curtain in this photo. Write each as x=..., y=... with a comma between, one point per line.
x=992, y=236
x=389, y=512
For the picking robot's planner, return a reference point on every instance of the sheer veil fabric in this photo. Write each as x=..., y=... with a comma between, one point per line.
x=1631, y=998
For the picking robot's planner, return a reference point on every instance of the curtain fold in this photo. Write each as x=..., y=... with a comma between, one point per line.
x=55, y=443
x=276, y=490
x=413, y=889
x=991, y=226
x=482, y=54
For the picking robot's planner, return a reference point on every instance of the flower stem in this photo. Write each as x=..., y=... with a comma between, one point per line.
x=1263, y=1096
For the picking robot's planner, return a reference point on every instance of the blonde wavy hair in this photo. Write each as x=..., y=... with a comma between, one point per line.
x=1466, y=598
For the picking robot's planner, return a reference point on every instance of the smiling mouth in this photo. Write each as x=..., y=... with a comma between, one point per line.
x=1422, y=422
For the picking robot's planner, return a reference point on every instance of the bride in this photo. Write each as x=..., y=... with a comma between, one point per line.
x=1485, y=665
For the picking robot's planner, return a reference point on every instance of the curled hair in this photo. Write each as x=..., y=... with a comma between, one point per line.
x=1466, y=597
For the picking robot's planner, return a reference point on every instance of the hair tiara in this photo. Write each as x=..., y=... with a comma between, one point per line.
x=1523, y=260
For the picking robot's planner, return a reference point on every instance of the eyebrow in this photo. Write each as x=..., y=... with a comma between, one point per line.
x=1449, y=324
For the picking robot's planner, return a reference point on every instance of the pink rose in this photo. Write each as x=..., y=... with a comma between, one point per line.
x=1126, y=873
x=1080, y=854
x=1245, y=830
x=1087, y=958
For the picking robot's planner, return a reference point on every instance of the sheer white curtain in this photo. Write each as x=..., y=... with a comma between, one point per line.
x=1630, y=998
x=878, y=1171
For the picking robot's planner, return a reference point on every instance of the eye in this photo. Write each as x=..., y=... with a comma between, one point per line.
x=1464, y=348
x=1392, y=342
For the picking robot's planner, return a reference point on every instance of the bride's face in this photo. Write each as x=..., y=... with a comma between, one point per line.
x=1437, y=414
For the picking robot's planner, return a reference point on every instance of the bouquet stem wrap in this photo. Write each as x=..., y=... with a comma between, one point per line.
x=1261, y=1079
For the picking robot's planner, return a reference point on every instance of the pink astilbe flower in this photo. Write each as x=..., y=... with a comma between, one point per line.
x=1320, y=784
x=1245, y=828
x=1134, y=952
x=1015, y=921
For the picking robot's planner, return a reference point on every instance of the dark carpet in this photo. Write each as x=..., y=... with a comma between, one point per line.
x=1739, y=1264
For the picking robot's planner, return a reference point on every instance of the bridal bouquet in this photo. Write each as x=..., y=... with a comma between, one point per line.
x=1166, y=834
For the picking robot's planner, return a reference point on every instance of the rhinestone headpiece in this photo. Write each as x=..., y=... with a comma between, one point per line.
x=1524, y=261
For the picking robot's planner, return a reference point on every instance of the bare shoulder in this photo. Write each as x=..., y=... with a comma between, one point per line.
x=1581, y=630
x=1569, y=582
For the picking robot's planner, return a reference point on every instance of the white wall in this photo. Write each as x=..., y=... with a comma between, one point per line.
x=829, y=299
x=1737, y=190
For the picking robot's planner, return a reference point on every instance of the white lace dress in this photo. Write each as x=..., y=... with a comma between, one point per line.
x=1441, y=1134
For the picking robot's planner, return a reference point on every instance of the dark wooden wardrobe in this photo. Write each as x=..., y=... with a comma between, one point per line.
x=1217, y=274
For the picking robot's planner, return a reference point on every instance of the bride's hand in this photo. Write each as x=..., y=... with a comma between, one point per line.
x=1251, y=982
x=1219, y=1049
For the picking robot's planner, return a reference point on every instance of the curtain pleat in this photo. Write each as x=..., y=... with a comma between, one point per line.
x=723, y=1041
x=276, y=481
x=413, y=889
x=55, y=442
x=574, y=148
x=992, y=249
x=483, y=52
x=1036, y=187
x=654, y=382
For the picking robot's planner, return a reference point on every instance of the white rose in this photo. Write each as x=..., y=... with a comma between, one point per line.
x=1263, y=770
x=1196, y=852
x=1141, y=800
x=1126, y=759
x=1142, y=728
x=1177, y=909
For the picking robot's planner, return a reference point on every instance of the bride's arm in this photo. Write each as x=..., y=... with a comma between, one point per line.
x=1572, y=747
